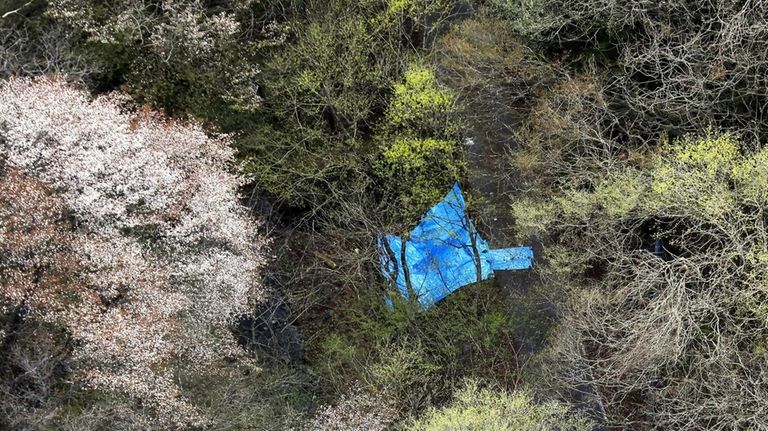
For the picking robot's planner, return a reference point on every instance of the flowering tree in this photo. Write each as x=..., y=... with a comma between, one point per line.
x=356, y=410
x=125, y=229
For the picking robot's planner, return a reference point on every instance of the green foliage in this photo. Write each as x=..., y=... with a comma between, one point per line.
x=420, y=156
x=696, y=173
x=417, y=9
x=705, y=177
x=411, y=357
x=403, y=372
x=422, y=170
x=339, y=354
x=702, y=176
x=335, y=77
x=751, y=175
x=532, y=217
x=615, y=195
x=325, y=93
x=413, y=154
x=620, y=192
x=304, y=168
x=482, y=409
x=420, y=107
x=565, y=263
x=711, y=154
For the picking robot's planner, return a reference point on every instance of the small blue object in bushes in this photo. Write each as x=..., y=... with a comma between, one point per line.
x=443, y=253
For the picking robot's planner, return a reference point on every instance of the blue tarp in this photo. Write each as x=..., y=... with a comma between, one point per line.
x=443, y=253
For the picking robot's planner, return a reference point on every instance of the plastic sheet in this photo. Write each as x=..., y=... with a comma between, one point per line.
x=443, y=253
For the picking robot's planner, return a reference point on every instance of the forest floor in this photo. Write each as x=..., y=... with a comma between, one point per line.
x=493, y=187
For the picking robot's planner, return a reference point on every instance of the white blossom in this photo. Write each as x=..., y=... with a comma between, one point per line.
x=355, y=411
x=164, y=254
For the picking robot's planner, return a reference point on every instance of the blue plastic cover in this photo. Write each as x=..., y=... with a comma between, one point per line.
x=443, y=253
